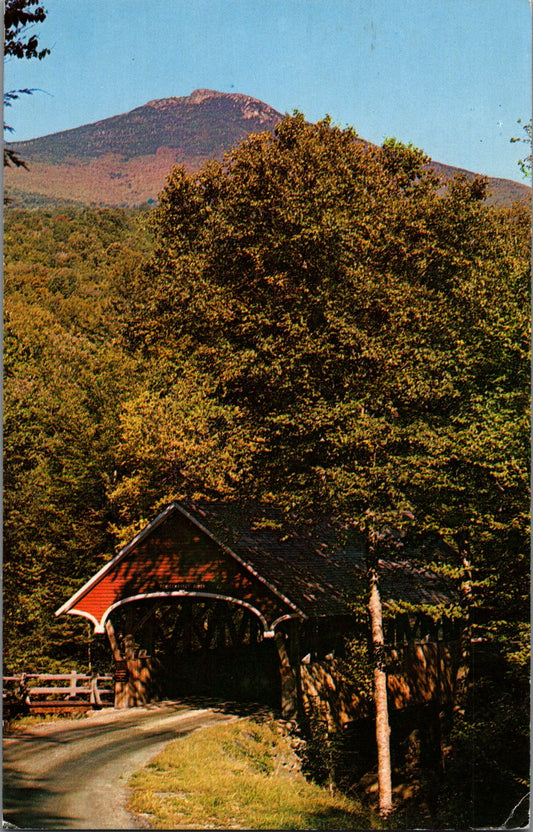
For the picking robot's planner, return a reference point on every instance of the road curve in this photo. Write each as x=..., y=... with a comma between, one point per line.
x=72, y=774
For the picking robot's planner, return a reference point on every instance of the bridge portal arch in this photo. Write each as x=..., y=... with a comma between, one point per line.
x=200, y=610
x=198, y=645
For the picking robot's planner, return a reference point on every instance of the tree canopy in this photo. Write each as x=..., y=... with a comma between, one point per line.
x=64, y=378
x=328, y=329
x=325, y=326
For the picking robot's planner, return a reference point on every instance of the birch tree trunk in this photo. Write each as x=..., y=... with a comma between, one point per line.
x=463, y=673
x=380, y=698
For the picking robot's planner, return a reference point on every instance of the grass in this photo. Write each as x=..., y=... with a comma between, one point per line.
x=22, y=722
x=233, y=777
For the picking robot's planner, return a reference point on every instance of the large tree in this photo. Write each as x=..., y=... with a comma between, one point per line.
x=324, y=326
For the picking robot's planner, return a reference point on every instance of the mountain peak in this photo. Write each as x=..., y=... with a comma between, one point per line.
x=252, y=108
x=196, y=97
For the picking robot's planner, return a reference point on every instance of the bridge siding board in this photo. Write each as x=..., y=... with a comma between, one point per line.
x=182, y=558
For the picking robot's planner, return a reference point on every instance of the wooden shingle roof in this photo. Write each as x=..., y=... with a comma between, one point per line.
x=319, y=568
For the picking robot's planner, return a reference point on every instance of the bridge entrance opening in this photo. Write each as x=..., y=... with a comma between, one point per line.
x=199, y=647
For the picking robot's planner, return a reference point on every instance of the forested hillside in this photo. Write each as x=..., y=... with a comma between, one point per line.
x=313, y=323
x=316, y=324
x=66, y=378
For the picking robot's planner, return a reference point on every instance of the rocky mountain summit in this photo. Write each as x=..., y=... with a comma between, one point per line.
x=251, y=108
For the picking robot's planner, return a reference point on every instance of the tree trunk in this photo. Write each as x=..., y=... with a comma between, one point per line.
x=463, y=673
x=380, y=698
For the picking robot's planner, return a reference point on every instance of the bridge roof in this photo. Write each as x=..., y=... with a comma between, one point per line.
x=274, y=567
x=319, y=566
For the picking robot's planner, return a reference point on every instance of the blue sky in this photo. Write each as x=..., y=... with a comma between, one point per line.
x=451, y=76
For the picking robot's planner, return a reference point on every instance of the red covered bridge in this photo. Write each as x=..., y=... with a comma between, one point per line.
x=209, y=599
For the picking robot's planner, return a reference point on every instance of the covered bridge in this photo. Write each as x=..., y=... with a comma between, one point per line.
x=211, y=599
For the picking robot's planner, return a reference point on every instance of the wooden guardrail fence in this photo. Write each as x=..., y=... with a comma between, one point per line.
x=45, y=693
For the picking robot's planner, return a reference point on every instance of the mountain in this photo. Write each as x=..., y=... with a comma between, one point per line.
x=124, y=160
x=501, y=191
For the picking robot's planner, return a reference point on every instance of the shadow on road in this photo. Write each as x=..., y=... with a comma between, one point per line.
x=23, y=804
x=50, y=766
x=242, y=709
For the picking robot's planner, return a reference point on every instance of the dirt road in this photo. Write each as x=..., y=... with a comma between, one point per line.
x=72, y=774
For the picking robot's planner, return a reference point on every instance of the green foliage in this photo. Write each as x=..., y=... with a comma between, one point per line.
x=487, y=763
x=349, y=338
x=322, y=755
x=64, y=372
x=358, y=668
x=318, y=325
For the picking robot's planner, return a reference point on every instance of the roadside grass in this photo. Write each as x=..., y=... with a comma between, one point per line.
x=237, y=776
x=22, y=722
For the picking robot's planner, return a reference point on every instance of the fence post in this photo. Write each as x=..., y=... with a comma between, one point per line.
x=95, y=693
x=72, y=691
x=24, y=690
